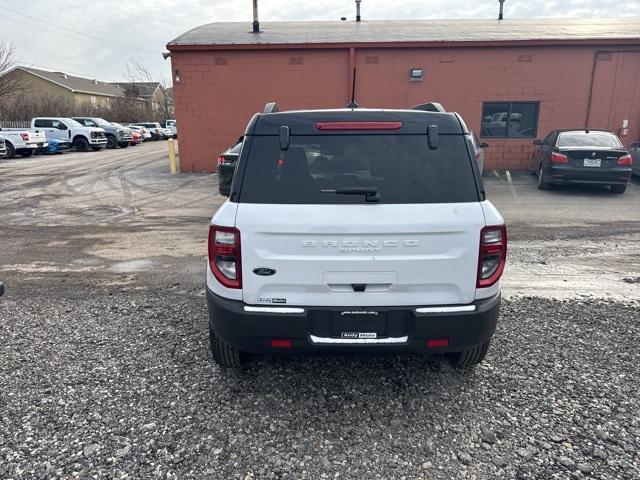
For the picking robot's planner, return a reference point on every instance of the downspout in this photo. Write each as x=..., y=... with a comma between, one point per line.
x=352, y=65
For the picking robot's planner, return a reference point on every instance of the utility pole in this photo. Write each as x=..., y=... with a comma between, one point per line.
x=500, y=17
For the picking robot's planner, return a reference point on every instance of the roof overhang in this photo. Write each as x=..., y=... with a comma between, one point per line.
x=586, y=42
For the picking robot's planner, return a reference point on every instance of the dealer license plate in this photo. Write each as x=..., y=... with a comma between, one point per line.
x=359, y=324
x=592, y=162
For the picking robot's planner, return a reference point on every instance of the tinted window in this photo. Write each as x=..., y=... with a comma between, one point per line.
x=591, y=139
x=42, y=123
x=509, y=119
x=401, y=167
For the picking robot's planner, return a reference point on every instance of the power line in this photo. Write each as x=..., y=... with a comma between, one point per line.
x=93, y=37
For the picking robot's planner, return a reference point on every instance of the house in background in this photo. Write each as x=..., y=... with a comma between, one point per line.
x=159, y=101
x=79, y=89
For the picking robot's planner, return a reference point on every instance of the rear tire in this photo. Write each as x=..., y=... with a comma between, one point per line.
x=618, y=188
x=469, y=357
x=224, y=354
x=542, y=183
x=81, y=144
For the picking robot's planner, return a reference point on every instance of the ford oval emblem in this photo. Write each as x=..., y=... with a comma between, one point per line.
x=264, y=271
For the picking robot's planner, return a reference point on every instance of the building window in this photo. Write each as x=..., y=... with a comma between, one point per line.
x=94, y=101
x=509, y=119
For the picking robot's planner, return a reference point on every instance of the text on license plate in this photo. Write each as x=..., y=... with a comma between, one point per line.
x=591, y=162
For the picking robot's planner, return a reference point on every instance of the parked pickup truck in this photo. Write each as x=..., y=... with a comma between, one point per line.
x=83, y=138
x=117, y=135
x=20, y=141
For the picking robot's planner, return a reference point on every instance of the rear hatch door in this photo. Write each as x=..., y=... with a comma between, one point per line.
x=307, y=242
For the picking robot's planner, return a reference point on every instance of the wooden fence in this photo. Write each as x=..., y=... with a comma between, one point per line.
x=15, y=124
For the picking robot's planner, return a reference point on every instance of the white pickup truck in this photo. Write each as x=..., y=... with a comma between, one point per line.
x=3, y=147
x=19, y=141
x=81, y=137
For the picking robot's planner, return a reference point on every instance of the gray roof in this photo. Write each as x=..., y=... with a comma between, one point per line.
x=77, y=84
x=141, y=89
x=551, y=29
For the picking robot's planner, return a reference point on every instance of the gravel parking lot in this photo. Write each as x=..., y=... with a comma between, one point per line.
x=105, y=370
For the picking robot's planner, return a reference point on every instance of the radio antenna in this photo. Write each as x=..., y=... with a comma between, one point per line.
x=353, y=103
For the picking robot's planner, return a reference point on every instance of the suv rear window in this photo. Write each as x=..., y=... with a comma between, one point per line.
x=591, y=139
x=401, y=167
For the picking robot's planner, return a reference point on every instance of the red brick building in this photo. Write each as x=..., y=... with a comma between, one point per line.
x=511, y=80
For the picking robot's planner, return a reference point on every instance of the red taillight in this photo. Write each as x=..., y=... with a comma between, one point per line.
x=281, y=343
x=359, y=126
x=220, y=160
x=438, y=343
x=559, y=158
x=224, y=255
x=625, y=161
x=493, y=255
x=24, y=136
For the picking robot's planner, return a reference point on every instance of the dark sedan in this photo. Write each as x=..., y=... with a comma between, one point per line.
x=590, y=157
x=227, y=167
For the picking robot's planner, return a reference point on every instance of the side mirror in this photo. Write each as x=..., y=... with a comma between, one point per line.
x=484, y=145
x=62, y=127
x=537, y=141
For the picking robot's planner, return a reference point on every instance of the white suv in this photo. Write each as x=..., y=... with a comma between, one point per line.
x=356, y=229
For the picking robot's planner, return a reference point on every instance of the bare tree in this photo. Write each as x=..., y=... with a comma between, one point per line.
x=161, y=106
x=9, y=83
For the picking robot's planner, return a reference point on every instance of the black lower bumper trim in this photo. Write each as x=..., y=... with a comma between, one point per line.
x=253, y=331
x=588, y=176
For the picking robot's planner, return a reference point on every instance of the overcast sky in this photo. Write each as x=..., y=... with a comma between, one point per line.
x=112, y=32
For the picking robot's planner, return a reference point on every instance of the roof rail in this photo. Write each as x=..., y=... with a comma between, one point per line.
x=270, y=107
x=430, y=107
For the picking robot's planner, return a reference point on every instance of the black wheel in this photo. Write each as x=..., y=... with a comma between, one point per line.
x=27, y=152
x=11, y=152
x=469, y=356
x=123, y=144
x=81, y=144
x=542, y=183
x=223, y=354
x=618, y=188
x=111, y=141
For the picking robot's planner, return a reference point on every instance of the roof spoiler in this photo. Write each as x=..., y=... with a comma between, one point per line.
x=270, y=107
x=430, y=107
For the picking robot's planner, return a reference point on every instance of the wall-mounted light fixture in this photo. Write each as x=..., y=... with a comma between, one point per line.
x=416, y=74
x=177, y=76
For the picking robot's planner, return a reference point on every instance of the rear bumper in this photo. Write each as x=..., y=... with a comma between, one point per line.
x=251, y=328
x=561, y=174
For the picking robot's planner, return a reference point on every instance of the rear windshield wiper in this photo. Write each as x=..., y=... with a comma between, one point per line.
x=371, y=194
